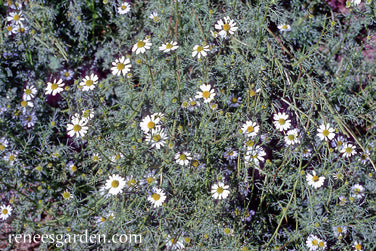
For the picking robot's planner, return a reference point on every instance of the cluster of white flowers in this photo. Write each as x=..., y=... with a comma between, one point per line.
x=155, y=135
x=78, y=126
x=15, y=19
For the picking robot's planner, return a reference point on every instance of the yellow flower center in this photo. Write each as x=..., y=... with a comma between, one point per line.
x=66, y=74
x=183, y=157
x=173, y=241
x=157, y=137
x=227, y=231
x=123, y=7
x=140, y=44
x=357, y=191
x=131, y=182
x=2, y=147
x=284, y=27
x=110, y=218
x=73, y=168
x=220, y=190
x=339, y=143
x=358, y=247
x=169, y=46
x=250, y=129
x=150, y=125
x=206, y=94
x=115, y=183
x=21, y=30
x=363, y=157
x=16, y=17
x=5, y=211
x=149, y=180
x=120, y=66
x=199, y=49
x=325, y=133
x=76, y=128
x=291, y=137
x=9, y=28
x=254, y=156
x=234, y=100
x=103, y=219
x=195, y=163
x=315, y=242
x=27, y=91
x=349, y=149
x=315, y=178
x=339, y=230
x=250, y=143
x=321, y=244
x=226, y=27
x=281, y=121
x=12, y=157
x=23, y=103
x=29, y=118
x=156, y=19
x=66, y=195
x=155, y=196
x=187, y=239
x=89, y=82
x=54, y=86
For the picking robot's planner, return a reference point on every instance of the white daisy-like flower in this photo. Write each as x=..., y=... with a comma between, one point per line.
x=25, y=104
x=15, y=17
x=348, y=150
x=95, y=157
x=150, y=178
x=121, y=66
x=338, y=142
x=115, y=184
x=357, y=246
x=220, y=191
x=207, y=93
x=154, y=16
x=284, y=27
x=77, y=127
x=11, y=157
x=193, y=104
x=355, y=2
x=255, y=154
x=12, y=29
x=109, y=217
x=250, y=128
x=339, y=231
x=131, y=182
x=357, y=191
x=364, y=157
x=214, y=34
x=141, y=46
x=230, y=154
x=55, y=87
x=169, y=46
x=157, y=137
x=307, y=153
x=29, y=92
x=281, y=121
x=325, y=132
x=89, y=82
x=225, y=27
x=72, y=168
x=200, y=51
x=67, y=74
x=173, y=244
x=3, y=143
x=183, y=158
x=292, y=137
x=314, y=180
x=314, y=243
x=148, y=123
x=234, y=101
x=67, y=195
x=157, y=197
x=5, y=212
x=21, y=29
x=116, y=157
x=29, y=119
x=88, y=114
x=124, y=8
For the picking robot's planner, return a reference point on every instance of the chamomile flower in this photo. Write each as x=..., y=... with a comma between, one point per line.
x=292, y=137
x=338, y=142
x=150, y=178
x=339, y=231
x=5, y=212
x=100, y=220
x=255, y=154
x=121, y=66
x=200, y=51
x=315, y=243
x=207, y=93
x=67, y=74
x=173, y=244
x=15, y=17
x=364, y=157
x=357, y=246
x=141, y=46
x=220, y=190
x=355, y=2
x=284, y=27
x=12, y=29
x=230, y=154
x=54, y=87
x=157, y=197
x=124, y=8
x=26, y=104
x=89, y=82
x=183, y=158
x=67, y=195
x=225, y=27
x=250, y=128
x=71, y=167
x=115, y=184
x=154, y=16
x=281, y=121
x=157, y=137
x=131, y=182
x=234, y=101
x=171, y=46
x=29, y=92
x=95, y=157
x=3, y=143
x=11, y=157
x=314, y=180
x=148, y=123
x=357, y=191
x=348, y=150
x=22, y=29
x=29, y=119
x=325, y=132
x=78, y=127
x=192, y=104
